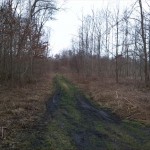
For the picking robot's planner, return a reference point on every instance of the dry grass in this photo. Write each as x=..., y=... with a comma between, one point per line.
x=125, y=98
x=21, y=107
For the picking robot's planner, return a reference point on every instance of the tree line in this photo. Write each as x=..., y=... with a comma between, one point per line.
x=113, y=43
x=24, y=43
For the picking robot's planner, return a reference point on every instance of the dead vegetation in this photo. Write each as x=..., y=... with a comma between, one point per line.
x=125, y=98
x=21, y=107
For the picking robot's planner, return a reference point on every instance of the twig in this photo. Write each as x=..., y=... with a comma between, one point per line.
x=2, y=129
x=116, y=94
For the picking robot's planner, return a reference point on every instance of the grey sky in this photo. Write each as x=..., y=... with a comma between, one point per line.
x=67, y=23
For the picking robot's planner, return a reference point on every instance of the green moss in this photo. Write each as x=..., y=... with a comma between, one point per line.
x=101, y=128
x=146, y=146
x=58, y=137
x=59, y=129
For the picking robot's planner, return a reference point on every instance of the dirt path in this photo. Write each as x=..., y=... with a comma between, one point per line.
x=72, y=122
x=83, y=126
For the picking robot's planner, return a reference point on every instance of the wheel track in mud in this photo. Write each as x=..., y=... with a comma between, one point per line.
x=83, y=132
x=73, y=122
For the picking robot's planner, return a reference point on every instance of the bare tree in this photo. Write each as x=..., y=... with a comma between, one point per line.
x=144, y=45
x=21, y=36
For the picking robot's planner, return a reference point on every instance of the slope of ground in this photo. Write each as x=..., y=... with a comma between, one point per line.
x=126, y=98
x=73, y=122
x=21, y=107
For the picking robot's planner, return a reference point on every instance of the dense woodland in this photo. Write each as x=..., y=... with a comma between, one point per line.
x=109, y=43
x=23, y=40
x=113, y=43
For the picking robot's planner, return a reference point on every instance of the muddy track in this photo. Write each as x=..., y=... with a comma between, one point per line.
x=73, y=122
x=90, y=115
x=79, y=133
x=52, y=104
x=83, y=128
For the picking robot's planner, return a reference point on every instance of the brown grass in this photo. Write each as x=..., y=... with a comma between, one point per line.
x=21, y=107
x=125, y=99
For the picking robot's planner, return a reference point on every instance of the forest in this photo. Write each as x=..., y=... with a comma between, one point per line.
x=113, y=44
x=109, y=43
x=24, y=41
x=42, y=105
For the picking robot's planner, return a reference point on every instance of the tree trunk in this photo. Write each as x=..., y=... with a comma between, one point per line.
x=117, y=78
x=144, y=46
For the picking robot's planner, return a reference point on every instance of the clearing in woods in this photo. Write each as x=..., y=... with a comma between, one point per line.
x=73, y=122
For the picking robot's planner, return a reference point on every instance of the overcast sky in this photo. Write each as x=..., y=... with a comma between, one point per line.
x=67, y=20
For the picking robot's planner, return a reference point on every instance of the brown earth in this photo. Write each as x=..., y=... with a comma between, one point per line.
x=126, y=99
x=68, y=119
x=20, y=107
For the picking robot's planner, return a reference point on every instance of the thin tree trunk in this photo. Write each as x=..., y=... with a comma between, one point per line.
x=149, y=49
x=117, y=80
x=144, y=46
